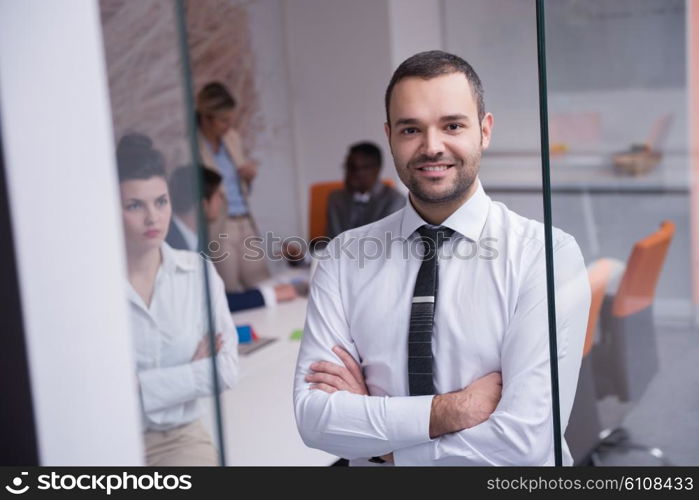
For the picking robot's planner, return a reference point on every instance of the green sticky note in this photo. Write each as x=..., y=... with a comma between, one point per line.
x=296, y=335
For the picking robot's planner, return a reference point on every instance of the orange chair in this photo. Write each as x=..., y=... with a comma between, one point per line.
x=318, y=207
x=637, y=287
x=626, y=358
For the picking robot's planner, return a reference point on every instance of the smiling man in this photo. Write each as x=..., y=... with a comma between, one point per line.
x=429, y=346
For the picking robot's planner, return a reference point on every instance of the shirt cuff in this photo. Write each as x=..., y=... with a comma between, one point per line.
x=268, y=295
x=408, y=419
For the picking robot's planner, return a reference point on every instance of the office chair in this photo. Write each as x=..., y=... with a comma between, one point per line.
x=625, y=360
x=318, y=206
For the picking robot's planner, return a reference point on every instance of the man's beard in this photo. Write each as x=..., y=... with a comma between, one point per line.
x=466, y=171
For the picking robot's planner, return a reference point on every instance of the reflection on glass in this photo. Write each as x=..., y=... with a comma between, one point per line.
x=620, y=186
x=184, y=230
x=181, y=326
x=167, y=301
x=511, y=174
x=221, y=149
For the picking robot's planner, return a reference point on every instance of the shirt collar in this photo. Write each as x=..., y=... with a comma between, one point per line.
x=361, y=197
x=177, y=260
x=172, y=261
x=366, y=197
x=468, y=220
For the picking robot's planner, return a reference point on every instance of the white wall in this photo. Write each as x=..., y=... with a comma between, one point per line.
x=275, y=186
x=322, y=67
x=339, y=60
x=498, y=38
x=322, y=70
x=328, y=62
x=61, y=180
x=415, y=26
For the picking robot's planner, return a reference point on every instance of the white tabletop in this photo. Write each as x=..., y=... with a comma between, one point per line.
x=258, y=416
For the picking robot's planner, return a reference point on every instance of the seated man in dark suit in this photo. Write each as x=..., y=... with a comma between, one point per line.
x=365, y=198
x=183, y=233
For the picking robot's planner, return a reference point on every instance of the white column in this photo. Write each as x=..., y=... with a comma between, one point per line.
x=62, y=187
x=339, y=63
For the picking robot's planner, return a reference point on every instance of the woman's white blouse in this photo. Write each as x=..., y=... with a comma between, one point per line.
x=166, y=335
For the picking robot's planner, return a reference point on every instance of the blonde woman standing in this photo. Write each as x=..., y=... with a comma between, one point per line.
x=221, y=149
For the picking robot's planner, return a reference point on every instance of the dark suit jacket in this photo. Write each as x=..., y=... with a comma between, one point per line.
x=383, y=202
x=175, y=238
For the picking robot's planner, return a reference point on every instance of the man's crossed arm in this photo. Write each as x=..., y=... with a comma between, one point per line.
x=451, y=412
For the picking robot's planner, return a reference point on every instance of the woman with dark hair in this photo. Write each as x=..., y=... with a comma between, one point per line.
x=166, y=292
x=221, y=149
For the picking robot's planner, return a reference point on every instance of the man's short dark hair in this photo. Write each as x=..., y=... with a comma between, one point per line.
x=183, y=193
x=368, y=149
x=433, y=63
x=137, y=159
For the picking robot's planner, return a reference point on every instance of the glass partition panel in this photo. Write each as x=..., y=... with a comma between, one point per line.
x=500, y=40
x=181, y=326
x=620, y=186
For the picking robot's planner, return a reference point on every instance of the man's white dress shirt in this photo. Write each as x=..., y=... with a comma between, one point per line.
x=491, y=316
x=166, y=335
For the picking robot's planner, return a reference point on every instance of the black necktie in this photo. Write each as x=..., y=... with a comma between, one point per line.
x=422, y=312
